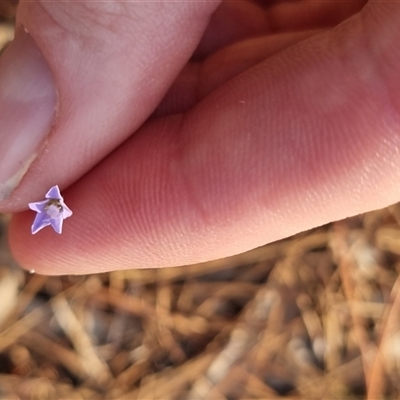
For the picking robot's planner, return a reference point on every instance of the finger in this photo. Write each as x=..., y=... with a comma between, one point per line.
x=309, y=14
x=305, y=138
x=198, y=79
x=79, y=78
x=202, y=76
x=231, y=22
x=234, y=21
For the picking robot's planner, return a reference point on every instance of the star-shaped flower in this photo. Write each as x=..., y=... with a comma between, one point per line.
x=51, y=211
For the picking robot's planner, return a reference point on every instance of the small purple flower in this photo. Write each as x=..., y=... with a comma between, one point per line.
x=52, y=211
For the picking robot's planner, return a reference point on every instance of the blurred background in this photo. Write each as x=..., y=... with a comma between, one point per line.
x=315, y=316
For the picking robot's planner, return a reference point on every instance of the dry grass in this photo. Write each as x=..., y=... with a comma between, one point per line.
x=316, y=316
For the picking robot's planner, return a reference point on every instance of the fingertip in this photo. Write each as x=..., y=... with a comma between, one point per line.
x=88, y=102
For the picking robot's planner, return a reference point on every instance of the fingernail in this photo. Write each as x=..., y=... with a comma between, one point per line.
x=27, y=108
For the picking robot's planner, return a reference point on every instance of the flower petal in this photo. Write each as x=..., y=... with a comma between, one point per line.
x=66, y=211
x=38, y=206
x=41, y=221
x=57, y=224
x=54, y=193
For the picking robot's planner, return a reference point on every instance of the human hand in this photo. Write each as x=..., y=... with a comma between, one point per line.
x=256, y=139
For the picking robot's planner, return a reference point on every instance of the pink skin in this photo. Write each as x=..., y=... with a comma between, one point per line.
x=241, y=151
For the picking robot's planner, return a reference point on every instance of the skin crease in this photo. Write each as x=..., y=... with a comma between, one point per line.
x=273, y=142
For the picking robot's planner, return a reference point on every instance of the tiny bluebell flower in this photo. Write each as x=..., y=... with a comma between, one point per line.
x=51, y=211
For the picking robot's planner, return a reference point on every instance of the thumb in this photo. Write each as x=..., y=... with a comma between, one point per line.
x=78, y=79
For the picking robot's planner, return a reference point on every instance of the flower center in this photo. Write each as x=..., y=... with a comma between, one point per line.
x=53, y=208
